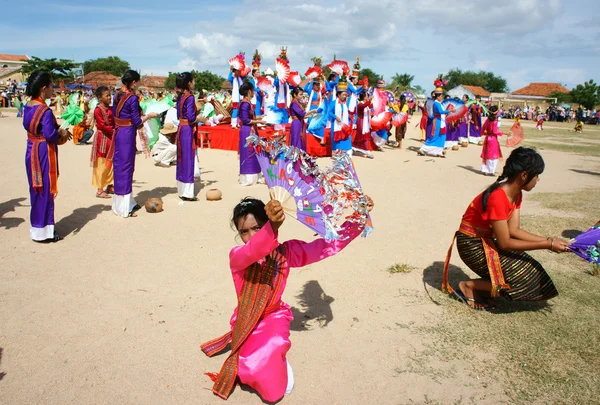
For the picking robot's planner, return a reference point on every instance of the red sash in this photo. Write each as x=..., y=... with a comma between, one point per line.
x=37, y=180
x=258, y=299
x=118, y=123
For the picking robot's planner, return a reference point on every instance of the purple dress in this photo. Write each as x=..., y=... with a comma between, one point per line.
x=463, y=130
x=297, y=128
x=124, y=139
x=185, y=142
x=248, y=161
x=42, y=201
x=475, y=129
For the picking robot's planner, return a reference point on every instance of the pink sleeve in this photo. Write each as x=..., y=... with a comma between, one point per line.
x=300, y=253
x=495, y=129
x=260, y=245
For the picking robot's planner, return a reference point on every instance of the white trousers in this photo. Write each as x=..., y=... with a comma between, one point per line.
x=432, y=150
x=122, y=205
x=166, y=156
x=185, y=189
x=41, y=234
x=489, y=167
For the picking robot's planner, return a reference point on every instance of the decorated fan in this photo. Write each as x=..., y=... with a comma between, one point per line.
x=264, y=83
x=73, y=115
x=457, y=109
x=399, y=119
x=380, y=121
x=74, y=99
x=313, y=72
x=587, y=245
x=471, y=102
x=390, y=96
x=237, y=63
x=379, y=101
x=339, y=66
x=294, y=79
x=321, y=200
x=409, y=95
x=365, y=81
x=154, y=106
x=516, y=135
x=245, y=71
x=283, y=70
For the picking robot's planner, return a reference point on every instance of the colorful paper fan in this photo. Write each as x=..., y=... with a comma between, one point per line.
x=399, y=119
x=73, y=115
x=408, y=94
x=339, y=67
x=322, y=200
x=264, y=83
x=516, y=135
x=283, y=70
x=245, y=71
x=471, y=102
x=390, y=96
x=587, y=245
x=313, y=72
x=237, y=63
x=379, y=101
x=457, y=108
x=74, y=99
x=294, y=79
x=380, y=121
x=365, y=81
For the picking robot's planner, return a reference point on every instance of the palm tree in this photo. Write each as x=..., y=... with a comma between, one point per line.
x=402, y=81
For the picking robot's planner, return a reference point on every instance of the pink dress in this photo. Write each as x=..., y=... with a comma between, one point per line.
x=262, y=362
x=491, y=146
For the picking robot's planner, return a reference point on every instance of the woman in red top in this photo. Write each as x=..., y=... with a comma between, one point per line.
x=490, y=240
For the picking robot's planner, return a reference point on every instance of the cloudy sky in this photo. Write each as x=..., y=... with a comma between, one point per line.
x=521, y=40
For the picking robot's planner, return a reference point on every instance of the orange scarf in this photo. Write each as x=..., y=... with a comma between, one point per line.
x=36, y=138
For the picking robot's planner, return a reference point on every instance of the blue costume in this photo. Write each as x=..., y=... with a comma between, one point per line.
x=315, y=102
x=435, y=144
x=235, y=97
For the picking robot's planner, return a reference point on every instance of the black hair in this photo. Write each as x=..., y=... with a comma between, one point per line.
x=331, y=76
x=245, y=89
x=36, y=81
x=493, y=113
x=432, y=94
x=129, y=77
x=295, y=91
x=362, y=96
x=247, y=206
x=402, y=100
x=183, y=80
x=520, y=160
x=466, y=96
x=100, y=90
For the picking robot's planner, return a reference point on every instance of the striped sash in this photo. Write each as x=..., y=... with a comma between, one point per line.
x=37, y=180
x=118, y=123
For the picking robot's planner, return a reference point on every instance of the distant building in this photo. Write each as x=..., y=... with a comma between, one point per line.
x=226, y=85
x=471, y=91
x=10, y=68
x=154, y=83
x=538, y=91
x=96, y=79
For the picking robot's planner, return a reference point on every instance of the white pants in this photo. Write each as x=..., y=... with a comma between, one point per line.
x=489, y=167
x=122, y=205
x=474, y=140
x=290, y=383
x=248, y=179
x=432, y=150
x=41, y=234
x=166, y=156
x=185, y=189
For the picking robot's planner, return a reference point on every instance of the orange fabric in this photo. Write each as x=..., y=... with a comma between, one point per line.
x=78, y=131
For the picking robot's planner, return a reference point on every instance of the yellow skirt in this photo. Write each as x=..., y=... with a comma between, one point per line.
x=102, y=176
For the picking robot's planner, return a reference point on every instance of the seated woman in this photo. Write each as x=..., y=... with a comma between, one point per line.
x=491, y=242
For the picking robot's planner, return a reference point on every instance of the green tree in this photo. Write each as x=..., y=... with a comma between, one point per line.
x=373, y=77
x=587, y=94
x=171, y=80
x=112, y=64
x=487, y=80
x=403, y=82
x=205, y=80
x=59, y=68
x=561, y=97
x=418, y=90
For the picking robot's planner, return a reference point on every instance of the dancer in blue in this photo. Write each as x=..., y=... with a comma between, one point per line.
x=341, y=127
x=236, y=79
x=257, y=100
x=434, y=146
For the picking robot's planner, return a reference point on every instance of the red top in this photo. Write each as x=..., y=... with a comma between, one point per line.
x=104, y=122
x=499, y=208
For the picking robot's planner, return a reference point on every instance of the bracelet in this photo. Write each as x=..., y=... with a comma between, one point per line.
x=552, y=245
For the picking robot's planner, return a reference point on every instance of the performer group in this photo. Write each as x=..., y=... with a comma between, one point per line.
x=334, y=110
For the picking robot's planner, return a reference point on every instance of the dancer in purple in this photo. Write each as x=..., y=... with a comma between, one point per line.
x=186, y=145
x=249, y=167
x=41, y=156
x=126, y=111
x=463, y=126
x=298, y=128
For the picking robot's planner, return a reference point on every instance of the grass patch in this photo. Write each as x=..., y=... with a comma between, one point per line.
x=580, y=149
x=541, y=352
x=562, y=139
x=400, y=268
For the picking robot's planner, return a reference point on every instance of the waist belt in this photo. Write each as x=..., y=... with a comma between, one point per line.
x=122, y=122
x=184, y=122
x=491, y=256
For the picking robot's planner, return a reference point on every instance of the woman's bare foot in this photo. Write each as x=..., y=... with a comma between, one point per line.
x=471, y=290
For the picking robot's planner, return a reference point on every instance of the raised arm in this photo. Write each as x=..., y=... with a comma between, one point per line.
x=258, y=247
x=300, y=253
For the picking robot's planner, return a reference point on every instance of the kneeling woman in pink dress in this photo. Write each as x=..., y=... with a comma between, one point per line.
x=260, y=325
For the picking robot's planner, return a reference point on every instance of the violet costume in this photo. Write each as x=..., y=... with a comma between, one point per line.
x=126, y=110
x=249, y=167
x=41, y=164
x=463, y=130
x=429, y=108
x=298, y=129
x=475, y=124
x=186, y=145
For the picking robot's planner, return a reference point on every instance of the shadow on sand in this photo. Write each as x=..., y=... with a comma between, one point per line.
x=314, y=305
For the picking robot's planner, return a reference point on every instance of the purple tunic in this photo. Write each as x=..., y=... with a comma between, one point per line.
x=124, y=139
x=463, y=129
x=428, y=128
x=248, y=161
x=185, y=153
x=42, y=202
x=297, y=127
x=452, y=135
x=475, y=129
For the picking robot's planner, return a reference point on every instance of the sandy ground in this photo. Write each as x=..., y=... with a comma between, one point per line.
x=115, y=313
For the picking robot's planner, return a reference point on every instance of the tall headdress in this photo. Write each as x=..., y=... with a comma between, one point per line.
x=342, y=84
x=356, y=67
x=439, y=84
x=256, y=60
x=315, y=71
x=380, y=83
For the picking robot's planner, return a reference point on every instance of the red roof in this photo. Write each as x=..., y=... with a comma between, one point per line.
x=541, y=89
x=478, y=91
x=100, y=79
x=15, y=58
x=154, y=82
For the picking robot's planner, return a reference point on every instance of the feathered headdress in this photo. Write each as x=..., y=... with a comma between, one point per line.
x=439, y=84
x=256, y=60
x=356, y=67
x=283, y=54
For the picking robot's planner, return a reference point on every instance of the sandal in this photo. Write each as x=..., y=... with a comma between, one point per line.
x=188, y=199
x=102, y=194
x=135, y=208
x=459, y=296
x=110, y=189
x=420, y=153
x=55, y=238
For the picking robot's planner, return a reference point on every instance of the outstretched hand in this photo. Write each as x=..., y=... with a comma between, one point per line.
x=275, y=214
x=559, y=245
